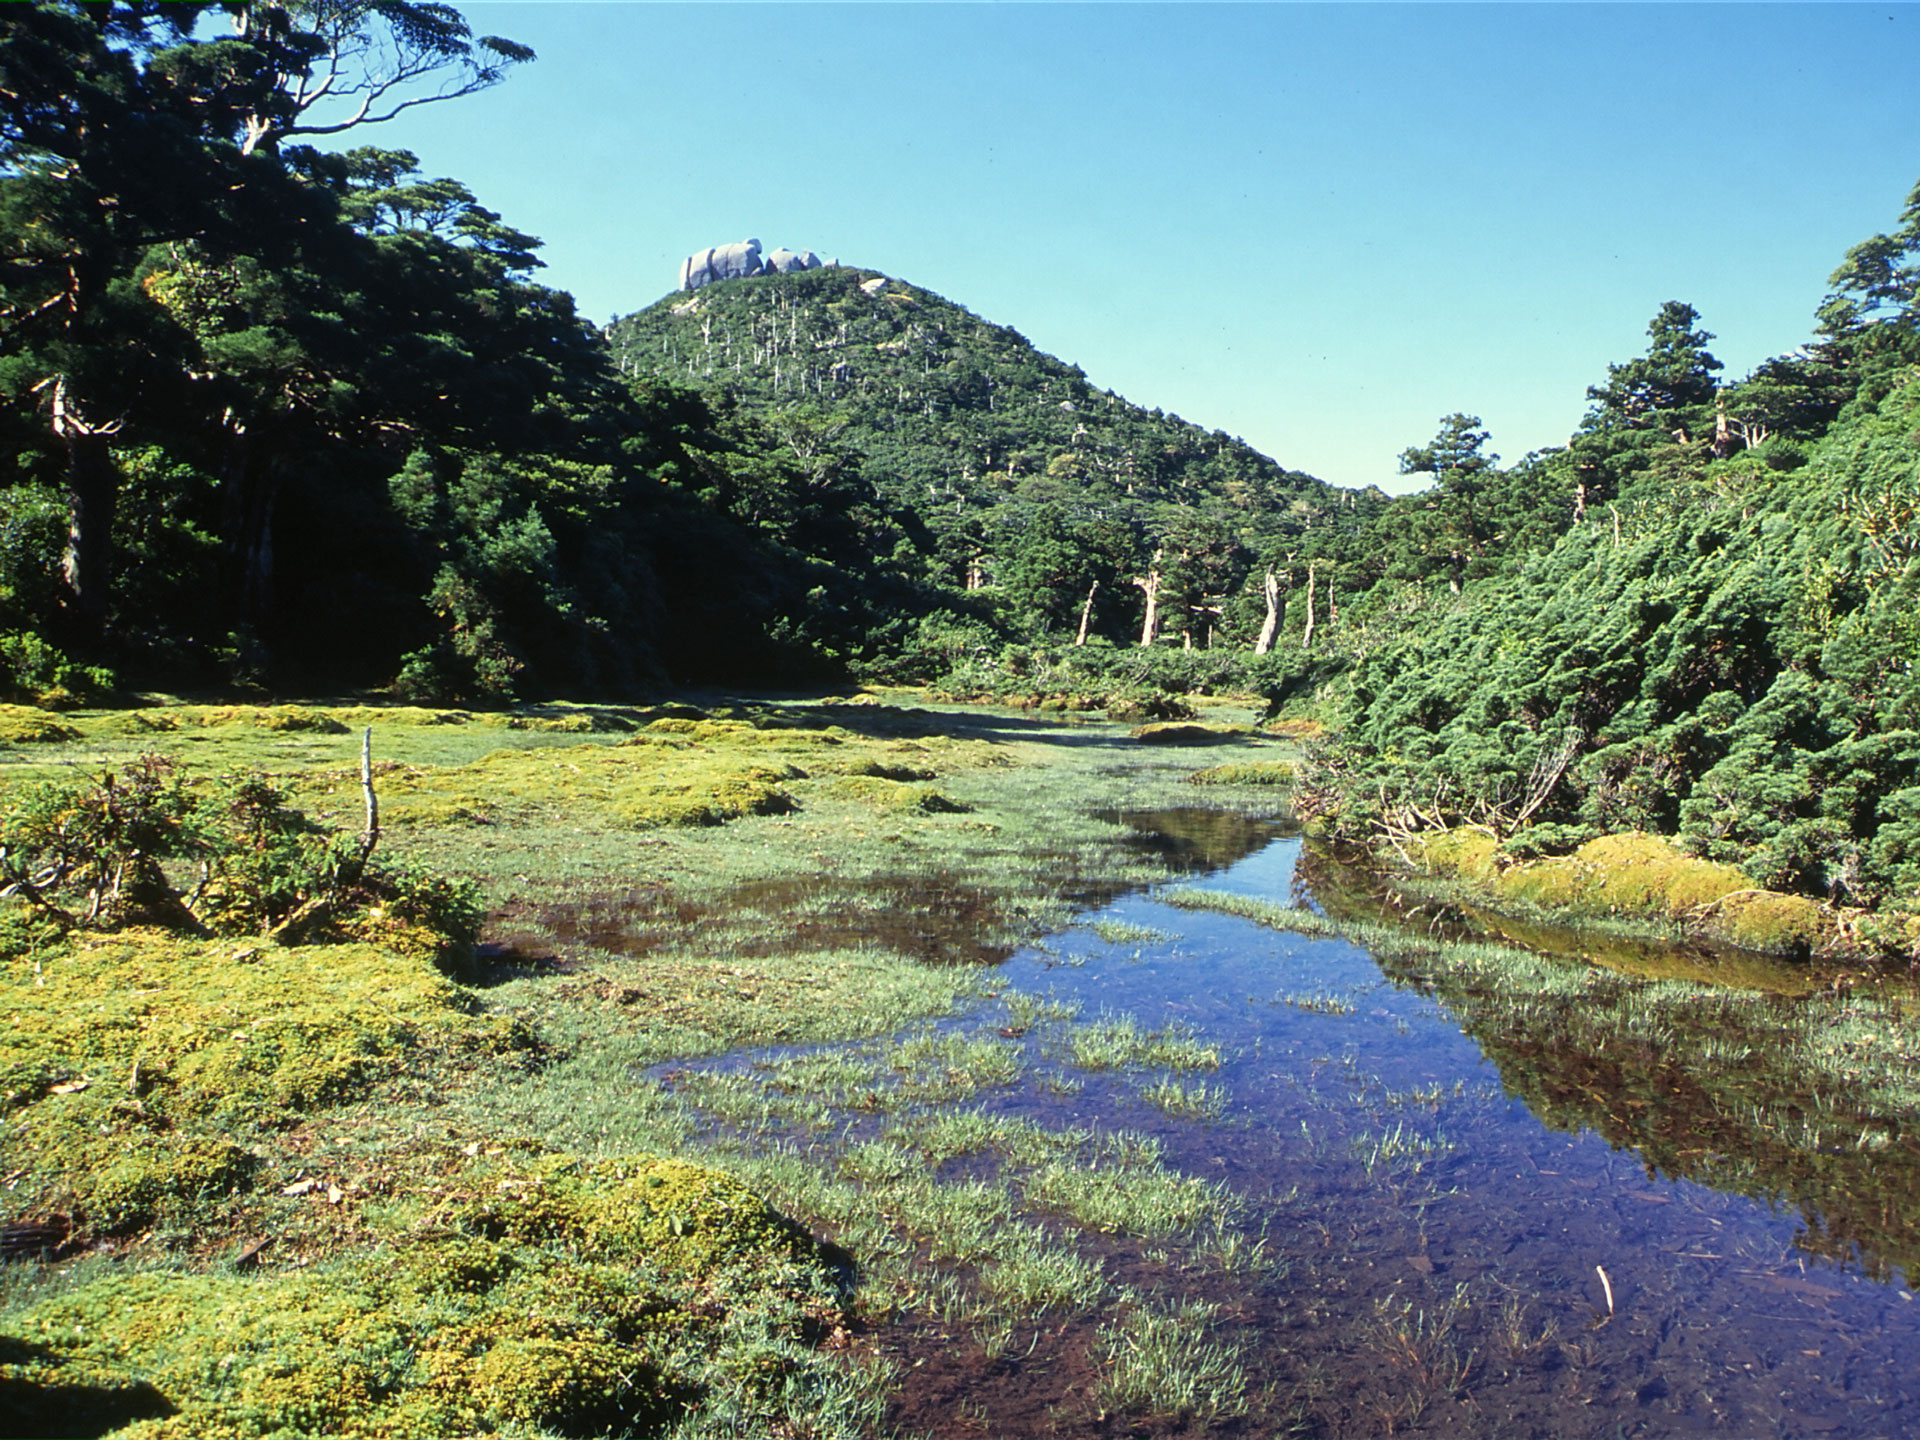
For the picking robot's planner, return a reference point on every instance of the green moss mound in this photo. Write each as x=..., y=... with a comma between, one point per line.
x=890, y=795
x=1636, y=877
x=1170, y=732
x=1246, y=772
x=581, y=1300
x=134, y=1064
x=25, y=725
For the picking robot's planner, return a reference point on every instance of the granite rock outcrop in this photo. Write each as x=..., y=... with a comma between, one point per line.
x=741, y=259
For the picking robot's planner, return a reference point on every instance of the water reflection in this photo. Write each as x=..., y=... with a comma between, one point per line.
x=1496, y=1223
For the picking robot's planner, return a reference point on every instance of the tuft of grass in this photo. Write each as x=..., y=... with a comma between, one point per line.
x=1133, y=1199
x=1120, y=1042
x=1121, y=932
x=1033, y=1277
x=1187, y=1100
x=1162, y=1361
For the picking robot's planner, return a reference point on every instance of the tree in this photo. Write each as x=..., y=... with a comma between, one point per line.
x=1458, y=460
x=1670, y=387
x=1872, y=315
x=124, y=137
x=321, y=67
x=91, y=174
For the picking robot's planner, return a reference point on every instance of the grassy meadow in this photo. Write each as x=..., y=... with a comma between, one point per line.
x=378, y=1185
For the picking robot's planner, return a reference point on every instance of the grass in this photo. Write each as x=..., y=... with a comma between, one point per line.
x=1195, y=1100
x=1160, y=1361
x=1246, y=772
x=533, y=1195
x=1129, y=1199
x=1121, y=932
x=1121, y=1042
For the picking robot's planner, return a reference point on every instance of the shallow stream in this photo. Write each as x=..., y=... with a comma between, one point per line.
x=1430, y=1253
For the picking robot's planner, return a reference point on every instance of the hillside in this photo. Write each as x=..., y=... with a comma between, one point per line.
x=987, y=476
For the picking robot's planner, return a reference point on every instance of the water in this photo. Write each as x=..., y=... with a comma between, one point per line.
x=1438, y=1258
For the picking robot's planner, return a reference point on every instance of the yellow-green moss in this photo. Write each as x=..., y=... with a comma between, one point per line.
x=128, y=1060
x=571, y=1297
x=25, y=725
x=1632, y=876
x=1246, y=772
x=889, y=795
x=1469, y=854
x=639, y=786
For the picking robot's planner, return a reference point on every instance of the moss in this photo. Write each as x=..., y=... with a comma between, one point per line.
x=132, y=1179
x=1178, y=733
x=1633, y=876
x=889, y=795
x=129, y=1060
x=595, y=1308
x=1469, y=854
x=1125, y=708
x=288, y=719
x=636, y=786
x=25, y=725
x=670, y=1211
x=1246, y=772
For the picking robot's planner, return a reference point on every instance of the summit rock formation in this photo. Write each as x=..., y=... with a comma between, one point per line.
x=743, y=258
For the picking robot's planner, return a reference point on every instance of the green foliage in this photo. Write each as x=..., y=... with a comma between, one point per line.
x=1734, y=669
x=150, y=843
x=957, y=471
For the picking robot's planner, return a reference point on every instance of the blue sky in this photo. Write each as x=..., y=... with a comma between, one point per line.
x=1317, y=227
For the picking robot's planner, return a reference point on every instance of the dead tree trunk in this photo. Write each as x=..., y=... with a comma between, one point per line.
x=1086, y=614
x=1306, y=636
x=1150, y=585
x=92, y=490
x=1271, y=625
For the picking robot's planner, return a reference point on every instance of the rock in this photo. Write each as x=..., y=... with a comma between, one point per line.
x=875, y=285
x=741, y=259
x=721, y=262
x=784, y=261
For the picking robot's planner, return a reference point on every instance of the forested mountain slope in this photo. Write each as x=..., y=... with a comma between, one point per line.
x=976, y=469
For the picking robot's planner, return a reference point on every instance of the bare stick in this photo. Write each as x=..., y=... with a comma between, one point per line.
x=370, y=835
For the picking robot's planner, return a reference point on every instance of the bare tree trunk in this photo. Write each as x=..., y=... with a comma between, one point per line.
x=1150, y=583
x=1306, y=636
x=1086, y=614
x=1271, y=625
x=92, y=490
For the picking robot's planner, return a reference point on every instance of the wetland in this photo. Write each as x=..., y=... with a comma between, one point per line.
x=876, y=1068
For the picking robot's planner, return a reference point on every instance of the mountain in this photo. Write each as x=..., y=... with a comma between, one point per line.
x=971, y=471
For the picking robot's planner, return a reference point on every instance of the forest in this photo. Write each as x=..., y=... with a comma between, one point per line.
x=305, y=420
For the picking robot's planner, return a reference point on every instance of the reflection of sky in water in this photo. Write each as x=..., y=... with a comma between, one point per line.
x=1417, y=1174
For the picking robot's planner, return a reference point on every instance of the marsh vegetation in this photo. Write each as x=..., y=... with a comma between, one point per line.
x=1060, y=1107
